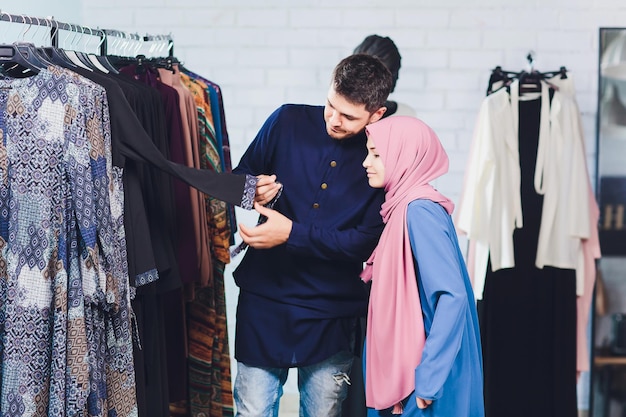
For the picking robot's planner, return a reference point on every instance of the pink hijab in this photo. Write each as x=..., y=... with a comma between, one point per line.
x=412, y=156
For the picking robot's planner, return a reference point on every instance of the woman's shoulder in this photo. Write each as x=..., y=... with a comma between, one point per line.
x=426, y=205
x=424, y=215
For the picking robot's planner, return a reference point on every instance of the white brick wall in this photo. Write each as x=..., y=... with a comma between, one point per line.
x=266, y=53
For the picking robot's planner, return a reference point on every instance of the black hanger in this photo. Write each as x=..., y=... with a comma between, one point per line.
x=58, y=57
x=103, y=59
x=500, y=75
x=55, y=54
x=18, y=61
x=82, y=57
x=26, y=59
x=140, y=63
x=166, y=62
x=33, y=54
x=530, y=82
x=562, y=73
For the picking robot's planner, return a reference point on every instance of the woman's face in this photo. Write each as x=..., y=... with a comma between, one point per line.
x=373, y=164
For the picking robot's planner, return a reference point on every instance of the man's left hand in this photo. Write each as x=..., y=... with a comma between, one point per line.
x=275, y=231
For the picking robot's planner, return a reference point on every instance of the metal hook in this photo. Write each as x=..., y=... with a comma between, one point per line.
x=139, y=45
x=119, y=45
x=157, y=44
x=86, y=44
x=22, y=34
x=91, y=36
x=531, y=60
x=73, y=41
x=161, y=45
x=55, y=23
x=48, y=25
x=103, y=38
x=164, y=41
x=151, y=43
x=127, y=38
x=4, y=36
x=164, y=45
x=112, y=41
x=69, y=32
x=37, y=28
x=170, y=44
x=122, y=44
x=121, y=39
x=134, y=48
x=76, y=37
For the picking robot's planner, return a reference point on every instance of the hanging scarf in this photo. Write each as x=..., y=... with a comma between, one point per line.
x=412, y=156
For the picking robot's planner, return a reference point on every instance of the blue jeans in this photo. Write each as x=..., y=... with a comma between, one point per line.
x=322, y=386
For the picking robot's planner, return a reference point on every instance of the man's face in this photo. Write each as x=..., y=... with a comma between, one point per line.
x=345, y=119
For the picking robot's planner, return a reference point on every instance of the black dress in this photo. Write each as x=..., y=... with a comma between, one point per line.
x=528, y=315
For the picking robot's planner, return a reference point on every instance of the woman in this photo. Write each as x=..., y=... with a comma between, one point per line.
x=422, y=354
x=385, y=49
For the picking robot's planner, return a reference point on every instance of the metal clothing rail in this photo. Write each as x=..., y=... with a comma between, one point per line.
x=103, y=34
x=165, y=40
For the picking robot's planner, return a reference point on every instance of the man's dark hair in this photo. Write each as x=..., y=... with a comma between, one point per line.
x=384, y=49
x=363, y=79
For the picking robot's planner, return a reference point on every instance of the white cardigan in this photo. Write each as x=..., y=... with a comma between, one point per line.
x=490, y=207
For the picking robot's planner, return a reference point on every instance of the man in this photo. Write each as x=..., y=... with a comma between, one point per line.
x=300, y=292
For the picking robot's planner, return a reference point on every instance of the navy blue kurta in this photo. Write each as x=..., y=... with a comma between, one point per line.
x=299, y=301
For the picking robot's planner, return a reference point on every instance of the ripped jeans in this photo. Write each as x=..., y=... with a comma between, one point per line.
x=322, y=386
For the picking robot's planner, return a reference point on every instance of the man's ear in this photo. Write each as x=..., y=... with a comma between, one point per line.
x=378, y=114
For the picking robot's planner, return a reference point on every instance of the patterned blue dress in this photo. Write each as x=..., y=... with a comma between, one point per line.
x=65, y=319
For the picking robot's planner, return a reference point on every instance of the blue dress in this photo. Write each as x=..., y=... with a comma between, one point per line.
x=450, y=372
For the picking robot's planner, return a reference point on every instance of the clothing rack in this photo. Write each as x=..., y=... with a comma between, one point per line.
x=103, y=34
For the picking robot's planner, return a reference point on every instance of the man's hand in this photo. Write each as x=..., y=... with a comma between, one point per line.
x=421, y=404
x=275, y=231
x=266, y=188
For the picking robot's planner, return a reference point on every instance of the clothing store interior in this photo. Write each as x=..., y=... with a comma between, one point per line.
x=153, y=332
